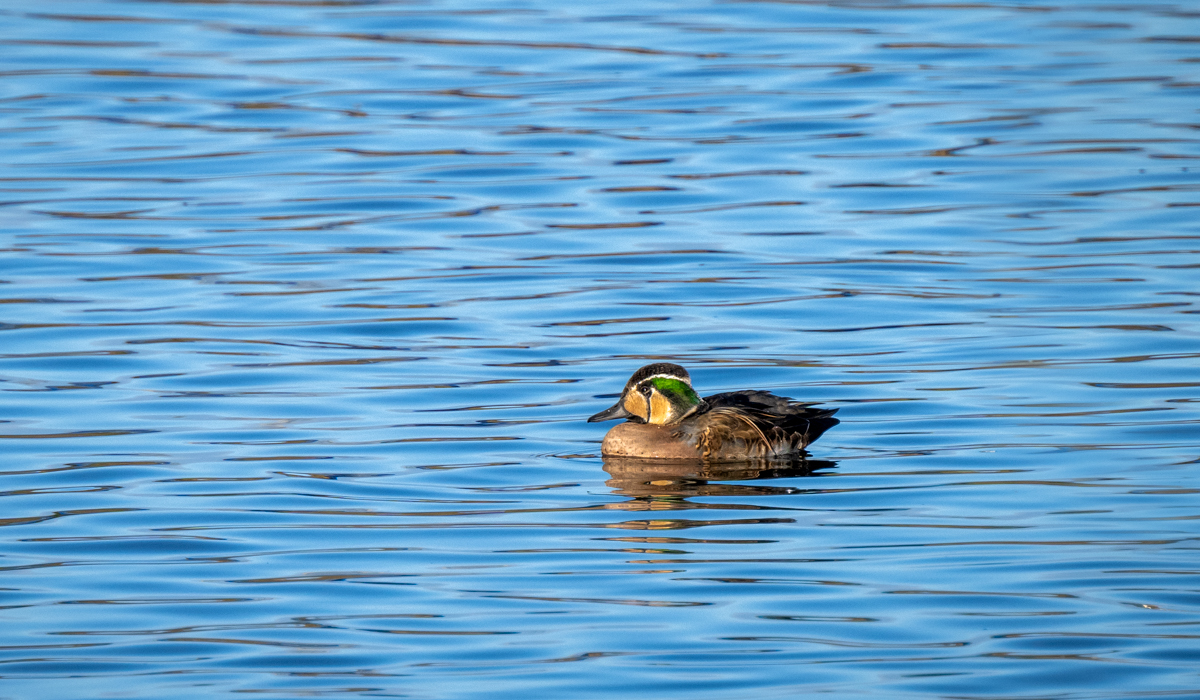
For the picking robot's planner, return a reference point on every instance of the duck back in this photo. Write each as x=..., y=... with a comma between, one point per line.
x=755, y=423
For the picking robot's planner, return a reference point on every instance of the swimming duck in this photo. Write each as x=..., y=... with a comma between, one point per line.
x=667, y=420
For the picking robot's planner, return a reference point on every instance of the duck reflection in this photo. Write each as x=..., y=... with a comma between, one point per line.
x=667, y=484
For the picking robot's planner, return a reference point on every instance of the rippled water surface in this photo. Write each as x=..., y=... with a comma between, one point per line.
x=303, y=306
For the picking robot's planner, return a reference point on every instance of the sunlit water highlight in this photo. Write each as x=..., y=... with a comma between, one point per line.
x=303, y=305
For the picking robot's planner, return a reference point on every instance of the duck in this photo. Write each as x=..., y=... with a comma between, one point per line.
x=666, y=419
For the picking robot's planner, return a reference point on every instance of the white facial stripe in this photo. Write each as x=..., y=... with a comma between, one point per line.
x=685, y=380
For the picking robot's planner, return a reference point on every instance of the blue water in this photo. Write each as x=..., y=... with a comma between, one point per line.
x=303, y=306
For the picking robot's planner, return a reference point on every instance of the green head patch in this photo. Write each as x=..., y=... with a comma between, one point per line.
x=676, y=389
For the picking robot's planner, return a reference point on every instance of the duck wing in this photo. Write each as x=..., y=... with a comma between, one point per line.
x=763, y=421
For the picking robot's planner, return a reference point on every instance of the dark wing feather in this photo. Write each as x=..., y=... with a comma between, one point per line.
x=764, y=421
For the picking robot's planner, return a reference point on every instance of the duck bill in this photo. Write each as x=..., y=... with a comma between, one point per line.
x=617, y=410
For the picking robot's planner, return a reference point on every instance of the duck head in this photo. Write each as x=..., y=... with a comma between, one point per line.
x=660, y=393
